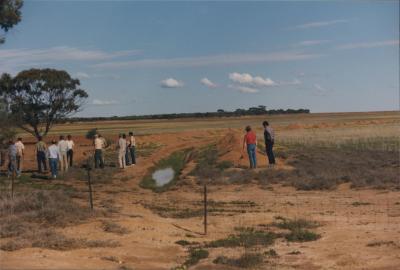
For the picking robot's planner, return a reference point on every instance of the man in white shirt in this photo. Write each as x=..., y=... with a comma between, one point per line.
x=70, y=150
x=63, y=148
x=122, y=151
x=54, y=155
x=20, y=155
x=98, y=151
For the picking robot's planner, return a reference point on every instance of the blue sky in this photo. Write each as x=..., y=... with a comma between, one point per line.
x=166, y=57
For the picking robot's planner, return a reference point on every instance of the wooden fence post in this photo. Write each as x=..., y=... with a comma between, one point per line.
x=88, y=168
x=12, y=183
x=205, y=209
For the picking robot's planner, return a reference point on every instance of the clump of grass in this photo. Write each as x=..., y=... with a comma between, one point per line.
x=185, y=243
x=298, y=229
x=173, y=212
x=247, y=260
x=176, y=161
x=294, y=224
x=382, y=243
x=225, y=164
x=300, y=235
x=195, y=255
x=247, y=237
x=360, y=203
x=110, y=258
x=50, y=239
x=112, y=227
x=147, y=149
x=271, y=253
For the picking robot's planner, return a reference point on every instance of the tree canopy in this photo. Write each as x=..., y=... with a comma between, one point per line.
x=10, y=14
x=39, y=98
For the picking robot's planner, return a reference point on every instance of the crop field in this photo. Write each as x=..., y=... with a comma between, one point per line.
x=332, y=201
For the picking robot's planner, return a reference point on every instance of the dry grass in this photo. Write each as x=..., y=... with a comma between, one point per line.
x=112, y=227
x=50, y=239
x=30, y=218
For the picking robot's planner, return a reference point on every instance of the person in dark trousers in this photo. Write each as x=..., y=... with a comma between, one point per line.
x=98, y=152
x=132, y=146
x=70, y=150
x=41, y=149
x=269, y=138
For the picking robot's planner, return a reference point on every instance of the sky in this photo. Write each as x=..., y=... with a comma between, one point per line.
x=136, y=58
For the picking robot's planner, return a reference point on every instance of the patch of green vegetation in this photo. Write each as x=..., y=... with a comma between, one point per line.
x=301, y=235
x=298, y=229
x=185, y=243
x=225, y=164
x=173, y=212
x=147, y=149
x=294, y=224
x=247, y=237
x=360, y=203
x=247, y=260
x=195, y=255
x=271, y=253
x=176, y=161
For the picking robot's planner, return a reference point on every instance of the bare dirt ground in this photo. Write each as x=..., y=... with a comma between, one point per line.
x=360, y=228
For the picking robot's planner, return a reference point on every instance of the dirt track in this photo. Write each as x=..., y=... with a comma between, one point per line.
x=346, y=230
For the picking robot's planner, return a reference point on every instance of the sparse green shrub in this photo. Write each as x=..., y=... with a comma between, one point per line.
x=300, y=235
x=247, y=260
x=90, y=133
x=225, y=164
x=247, y=238
x=195, y=255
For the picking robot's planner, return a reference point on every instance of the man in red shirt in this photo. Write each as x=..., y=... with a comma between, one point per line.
x=250, y=140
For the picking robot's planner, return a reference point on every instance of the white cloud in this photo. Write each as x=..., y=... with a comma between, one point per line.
x=319, y=24
x=369, y=44
x=245, y=78
x=293, y=82
x=82, y=75
x=12, y=59
x=171, y=83
x=104, y=102
x=244, y=89
x=320, y=90
x=211, y=60
x=312, y=42
x=208, y=83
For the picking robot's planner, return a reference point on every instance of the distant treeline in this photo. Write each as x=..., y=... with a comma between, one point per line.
x=260, y=110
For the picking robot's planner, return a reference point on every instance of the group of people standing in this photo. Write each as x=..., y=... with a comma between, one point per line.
x=59, y=154
x=126, y=150
x=250, y=142
x=126, y=146
x=15, y=154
